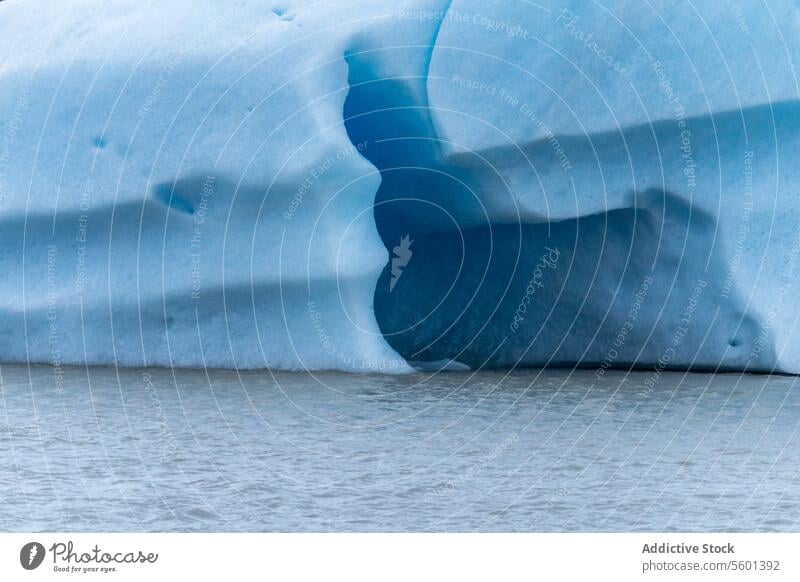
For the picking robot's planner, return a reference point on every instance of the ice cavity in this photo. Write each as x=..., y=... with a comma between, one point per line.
x=594, y=186
x=223, y=192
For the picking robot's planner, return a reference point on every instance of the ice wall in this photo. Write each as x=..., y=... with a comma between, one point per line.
x=331, y=185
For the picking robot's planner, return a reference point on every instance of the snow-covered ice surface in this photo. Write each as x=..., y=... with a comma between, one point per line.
x=358, y=185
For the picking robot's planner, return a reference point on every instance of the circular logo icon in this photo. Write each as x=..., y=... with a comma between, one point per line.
x=31, y=555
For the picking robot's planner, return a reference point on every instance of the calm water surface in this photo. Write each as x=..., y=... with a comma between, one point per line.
x=158, y=450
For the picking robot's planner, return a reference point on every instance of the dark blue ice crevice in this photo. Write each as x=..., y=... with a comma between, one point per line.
x=176, y=196
x=387, y=110
x=576, y=287
x=463, y=285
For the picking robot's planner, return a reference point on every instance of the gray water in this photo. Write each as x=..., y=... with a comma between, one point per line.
x=134, y=450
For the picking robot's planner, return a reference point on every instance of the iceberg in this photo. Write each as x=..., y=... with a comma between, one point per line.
x=368, y=187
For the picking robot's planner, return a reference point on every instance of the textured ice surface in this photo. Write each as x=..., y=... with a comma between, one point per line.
x=354, y=185
x=180, y=189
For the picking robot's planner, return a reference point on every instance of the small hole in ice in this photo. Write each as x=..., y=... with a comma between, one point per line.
x=281, y=13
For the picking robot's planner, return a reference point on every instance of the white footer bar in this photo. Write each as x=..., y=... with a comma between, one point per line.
x=382, y=557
